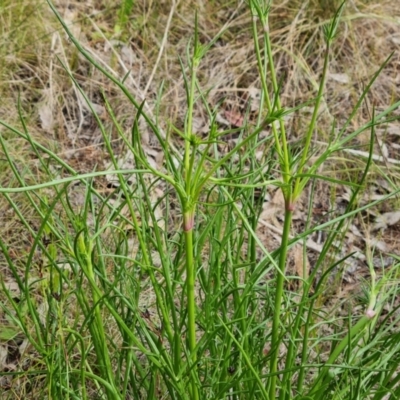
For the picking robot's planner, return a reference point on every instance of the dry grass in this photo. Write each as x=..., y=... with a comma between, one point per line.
x=34, y=53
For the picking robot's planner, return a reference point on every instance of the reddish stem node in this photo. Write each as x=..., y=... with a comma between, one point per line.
x=370, y=313
x=188, y=221
x=290, y=206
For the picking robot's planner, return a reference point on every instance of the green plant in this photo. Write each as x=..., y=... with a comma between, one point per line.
x=295, y=176
x=142, y=301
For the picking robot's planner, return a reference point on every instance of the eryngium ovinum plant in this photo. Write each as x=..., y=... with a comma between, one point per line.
x=222, y=324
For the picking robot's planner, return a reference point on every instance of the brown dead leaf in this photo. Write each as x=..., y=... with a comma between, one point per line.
x=45, y=111
x=341, y=78
x=301, y=269
x=387, y=219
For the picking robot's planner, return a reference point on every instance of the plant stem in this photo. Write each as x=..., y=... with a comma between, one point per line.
x=191, y=304
x=189, y=205
x=275, y=340
x=298, y=187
